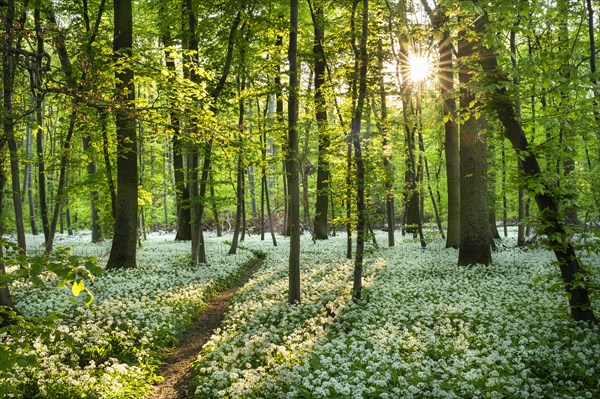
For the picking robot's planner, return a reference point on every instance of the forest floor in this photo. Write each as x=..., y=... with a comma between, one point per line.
x=176, y=369
x=424, y=328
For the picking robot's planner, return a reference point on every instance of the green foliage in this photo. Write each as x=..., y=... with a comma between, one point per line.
x=60, y=267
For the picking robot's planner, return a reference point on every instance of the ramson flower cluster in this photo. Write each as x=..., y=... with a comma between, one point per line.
x=425, y=328
x=112, y=348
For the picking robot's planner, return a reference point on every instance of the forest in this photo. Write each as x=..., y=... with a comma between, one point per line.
x=299, y=199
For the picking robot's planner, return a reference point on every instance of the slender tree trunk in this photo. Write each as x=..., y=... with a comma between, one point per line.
x=213, y=204
x=112, y=189
x=475, y=239
x=322, y=206
x=62, y=181
x=387, y=150
x=198, y=247
x=67, y=206
x=446, y=76
x=240, y=179
x=561, y=242
x=504, y=198
x=265, y=187
x=28, y=181
x=492, y=178
x=292, y=160
x=123, y=250
x=349, y=200
x=252, y=182
x=5, y=297
x=521, y=192
x=438, y=221
x=361, y=75
x=182, y=196
x=8, y=66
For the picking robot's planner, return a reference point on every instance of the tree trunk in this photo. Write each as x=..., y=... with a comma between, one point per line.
x=492, y=178
x=28, y=180
x=240, y=179
x=451, y=138
x=560, y=241
x=504, y=198
x=426, y=163
x=198, y=247
x=8, y=70
x=383, y=128
x=184, y=226
x=292, y=160
x=124, y=244
x=213, y=204
x=475, y=231
x=265, y=187
x=5, y=298
x=323, y=175
x=361, y=75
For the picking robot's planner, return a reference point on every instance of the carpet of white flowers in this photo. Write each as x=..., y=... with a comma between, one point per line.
x=111, y=349
x=425, y=328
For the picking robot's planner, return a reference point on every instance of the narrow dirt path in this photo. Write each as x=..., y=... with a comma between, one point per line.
x=176, y=368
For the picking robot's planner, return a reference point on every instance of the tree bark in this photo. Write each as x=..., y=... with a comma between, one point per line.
x=446, y=75
x=240, y=179
x=184, y=227
x=28, y=179
x=475, y=231
x=383, y=127
x=292, y=164
x=361, y=75
x=124, y=244
x=8, y=71
x=560, y=241
x=322, y=205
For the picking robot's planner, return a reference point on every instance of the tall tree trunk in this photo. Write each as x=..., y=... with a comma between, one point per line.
x=322, y=206
x=28, y=180
x=62, y=181
x=292, y=160
x=92, y=168
x=474, y=231
x=198, y=247
x=383, y=127
x=182, y=196
x=438, y=221
x=521, y=192
x=67, y=206
x=560, y=241
x=8, y=71
x=124, y=244
x=265, y=187
x=213, y=204
x=361, y=75
x=5, y=297
x=38, y=98
x=446, y=74
x=252, y=183
x=348, y=200
x=240, y=178
x=413, y=221
x=504, y=197
x=492, y=179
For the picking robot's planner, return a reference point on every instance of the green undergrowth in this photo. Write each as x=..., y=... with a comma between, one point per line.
x=111, y=348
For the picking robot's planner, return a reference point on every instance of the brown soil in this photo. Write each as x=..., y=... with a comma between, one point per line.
x=176, y=369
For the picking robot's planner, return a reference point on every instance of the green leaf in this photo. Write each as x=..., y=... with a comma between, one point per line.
x=89, y=301
x=77, y=287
